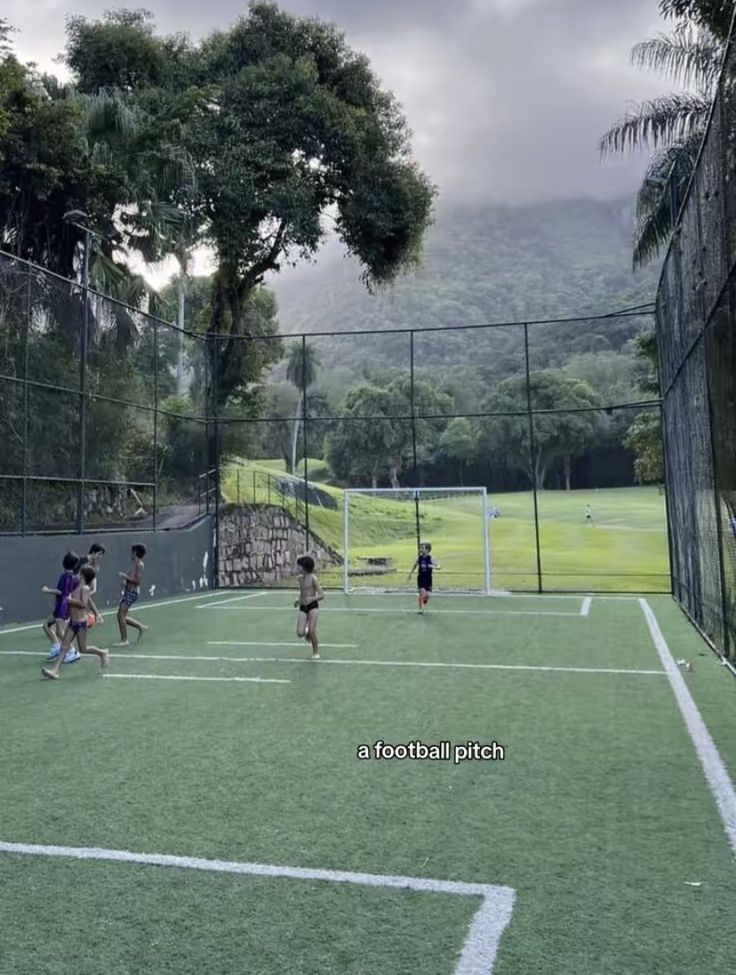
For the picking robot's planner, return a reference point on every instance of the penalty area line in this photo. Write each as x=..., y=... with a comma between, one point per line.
x=482, y=940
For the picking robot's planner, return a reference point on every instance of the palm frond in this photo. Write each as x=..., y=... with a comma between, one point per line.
x=109, y=117
x=715, y=15
x=655, y=123
x=661, y=192
x=689, y=57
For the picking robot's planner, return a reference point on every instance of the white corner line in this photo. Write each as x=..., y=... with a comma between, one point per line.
x=223, y=680
x=716, y=773
x=585, y=608
x=481, y=943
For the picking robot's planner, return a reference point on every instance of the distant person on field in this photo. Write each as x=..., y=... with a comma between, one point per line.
x=131, y=591
x=311, y=595
x=78, y=603
x=588, y=514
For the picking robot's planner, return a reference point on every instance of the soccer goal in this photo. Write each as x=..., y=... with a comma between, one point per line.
x=383, y=528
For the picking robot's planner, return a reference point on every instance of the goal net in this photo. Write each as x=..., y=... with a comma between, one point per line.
x=383, y=528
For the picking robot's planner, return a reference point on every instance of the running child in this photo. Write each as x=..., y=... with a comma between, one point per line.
x=423, y=567
x=588, y=514
x=93, y=558
x=78, y=603
x=311, y=595
x=131, y=591
x=55, y=626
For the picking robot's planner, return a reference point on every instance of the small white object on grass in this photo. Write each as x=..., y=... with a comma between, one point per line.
x=693, y=883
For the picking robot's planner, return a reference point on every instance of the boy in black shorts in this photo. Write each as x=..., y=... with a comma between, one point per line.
x=424, y=566
x=311, y=595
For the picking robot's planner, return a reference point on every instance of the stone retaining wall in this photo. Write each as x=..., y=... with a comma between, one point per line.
x=260, y=545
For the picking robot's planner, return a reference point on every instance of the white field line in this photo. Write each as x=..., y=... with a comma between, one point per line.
x=240, y=598
x=715, y=771
x=168, y=602
x=481, y=943
x=402, y=612
x=585, y=608
x=224, y=680
x=361, y=663
x=246, y=643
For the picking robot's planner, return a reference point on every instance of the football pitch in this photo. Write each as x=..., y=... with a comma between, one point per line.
x=202, y=808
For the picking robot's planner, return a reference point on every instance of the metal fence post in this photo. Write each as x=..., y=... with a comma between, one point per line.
x=304, y=440
x=26, y=406
x=532, y=457
x=83, y=385
x=155, y=424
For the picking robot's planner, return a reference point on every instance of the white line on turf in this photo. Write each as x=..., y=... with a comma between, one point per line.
x=402, y=612
x=715, y=771
x=482, y=941
x=363, y=663
x=109, y=609
x=240, y=598
x=585, y=608
x=246, y=643
x=239, y=680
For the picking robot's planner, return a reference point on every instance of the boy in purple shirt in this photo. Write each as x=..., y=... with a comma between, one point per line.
x=55, y=626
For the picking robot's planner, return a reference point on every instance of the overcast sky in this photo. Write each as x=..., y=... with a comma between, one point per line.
x=507, y=98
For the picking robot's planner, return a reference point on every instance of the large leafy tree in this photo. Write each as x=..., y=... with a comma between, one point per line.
x=374, y=440
x=558, y=437
x=287, y=129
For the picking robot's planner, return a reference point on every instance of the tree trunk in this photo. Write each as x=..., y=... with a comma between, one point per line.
x=295, y=435
x=567, y=462
x=394, y=476
x=374, y=481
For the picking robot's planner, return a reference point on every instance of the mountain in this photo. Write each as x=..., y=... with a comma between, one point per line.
x=488, y=263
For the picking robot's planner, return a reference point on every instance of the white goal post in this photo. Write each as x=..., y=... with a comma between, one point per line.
x=383, y=527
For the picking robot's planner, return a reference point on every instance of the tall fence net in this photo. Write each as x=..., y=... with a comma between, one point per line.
x=696, y=320
x=114, y=419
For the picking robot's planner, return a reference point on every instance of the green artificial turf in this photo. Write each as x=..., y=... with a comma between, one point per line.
x=599, y=816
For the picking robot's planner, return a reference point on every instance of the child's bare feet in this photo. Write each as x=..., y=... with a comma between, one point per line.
x=140, y=633
x=104, y=659
x=49, y=673
x=122, y=643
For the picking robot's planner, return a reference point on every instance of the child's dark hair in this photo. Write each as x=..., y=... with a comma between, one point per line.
x=96, y=549
x=70, y=561
x=139, y=551
x=306, y=562
x=87, y=573
x=427, y=546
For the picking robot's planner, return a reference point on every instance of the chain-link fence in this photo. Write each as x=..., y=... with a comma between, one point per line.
x=112, y=418
x=103, y=422
x=696, y=318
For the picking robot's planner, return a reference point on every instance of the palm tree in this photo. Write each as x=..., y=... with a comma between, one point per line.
x=672, y=126
x=301, y=372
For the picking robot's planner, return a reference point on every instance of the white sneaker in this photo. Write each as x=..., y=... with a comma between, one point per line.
x=53, y=652
x=72, y=656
